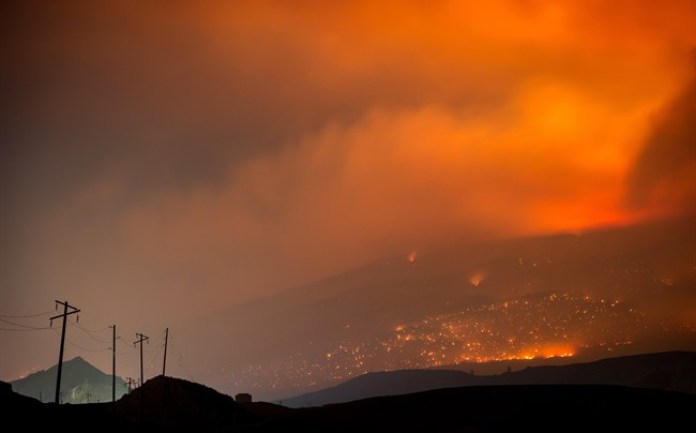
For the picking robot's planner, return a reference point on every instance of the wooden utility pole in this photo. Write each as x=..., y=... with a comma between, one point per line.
x=113, y=364
x=141, y=339
x=164, y=364
x=65, y=315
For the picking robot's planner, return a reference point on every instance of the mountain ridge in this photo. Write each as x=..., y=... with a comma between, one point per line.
x=306, y=335
x=674, y=371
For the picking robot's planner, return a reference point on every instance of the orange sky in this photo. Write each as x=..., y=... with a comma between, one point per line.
x=448, y=118
x=233, y=149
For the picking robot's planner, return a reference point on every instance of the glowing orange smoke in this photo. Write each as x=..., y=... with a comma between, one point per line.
x=412, y=256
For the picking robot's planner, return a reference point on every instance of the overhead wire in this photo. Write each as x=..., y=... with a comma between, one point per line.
x=155, y=350
x=26, y=316
x=120, y=340
x=91, y=333
x=126, y=345
x=155, y=354
x=23, y=327
x=92, y=330
x=82, y=347
x=86, y=348
x=180, y=360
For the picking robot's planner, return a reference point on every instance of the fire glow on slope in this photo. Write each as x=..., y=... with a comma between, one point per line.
x=552, y=325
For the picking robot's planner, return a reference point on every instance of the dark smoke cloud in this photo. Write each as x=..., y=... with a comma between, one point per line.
x=664, y=176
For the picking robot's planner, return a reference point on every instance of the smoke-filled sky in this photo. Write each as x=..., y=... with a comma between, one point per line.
x=162, y=159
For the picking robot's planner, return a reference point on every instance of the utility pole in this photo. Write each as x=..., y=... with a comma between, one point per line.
x=113, y=364
x=129, y=380
x=164, y=364
x=141, y=338
x=65, y=315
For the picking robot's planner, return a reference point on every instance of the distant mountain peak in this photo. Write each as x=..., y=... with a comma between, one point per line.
x=78, y=361
x=81, y=382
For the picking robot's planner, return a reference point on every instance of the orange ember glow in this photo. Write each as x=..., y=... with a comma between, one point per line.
x=551, y=351
x=477, y=278
x=542, y=352
x=412, y=256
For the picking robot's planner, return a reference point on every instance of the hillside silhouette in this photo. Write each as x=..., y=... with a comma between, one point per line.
x=674, y=371
x=28, y=414
x=170, y=405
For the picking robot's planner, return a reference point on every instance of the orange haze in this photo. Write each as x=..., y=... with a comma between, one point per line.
x=191, y=155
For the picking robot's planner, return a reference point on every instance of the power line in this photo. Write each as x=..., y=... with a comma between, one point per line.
x=86, y=348
x=155, y=348
x=72, y=343
x=155, y=355
x=128, y=346
x=26, y=327
x=180, y=360
x=91, y=333
x=92, y=330
x=26, y=316
x=35, y=329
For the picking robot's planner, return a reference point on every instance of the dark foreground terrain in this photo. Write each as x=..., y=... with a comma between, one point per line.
x=168, y=404
x=674, y=371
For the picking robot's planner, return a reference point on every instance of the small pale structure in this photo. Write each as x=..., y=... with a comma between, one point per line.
x=242, y=398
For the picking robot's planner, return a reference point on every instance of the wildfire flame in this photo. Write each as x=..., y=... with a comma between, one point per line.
x=477, y=278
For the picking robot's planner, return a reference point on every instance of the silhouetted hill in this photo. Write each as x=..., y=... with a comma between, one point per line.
x=674, y=371
x=175, y=404
x=11, y=399
x=542, y=408
x=382, y=384
x=166, y=405
x=22, y=413
x=81, y=382
x=162, y=404
x=669, y=371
